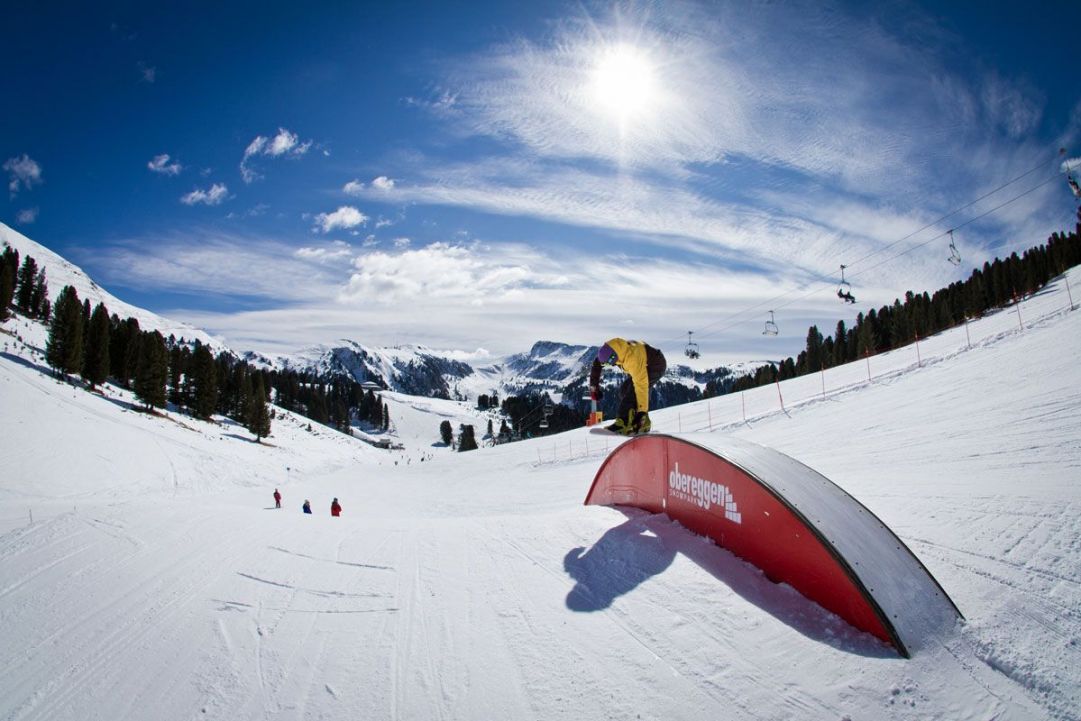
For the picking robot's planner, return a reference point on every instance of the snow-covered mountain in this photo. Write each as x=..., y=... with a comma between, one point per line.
x=60, y=272
x=556, y=368
x=559, y=369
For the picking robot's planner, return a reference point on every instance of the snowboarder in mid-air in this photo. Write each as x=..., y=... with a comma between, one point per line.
x=644, y=366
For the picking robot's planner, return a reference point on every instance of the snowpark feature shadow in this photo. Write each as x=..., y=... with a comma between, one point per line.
x=646, y=544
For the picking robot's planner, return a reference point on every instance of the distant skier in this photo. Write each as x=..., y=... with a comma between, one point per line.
x=277, y=499
x=644, y=365
x=307, y=506
x=335, y=508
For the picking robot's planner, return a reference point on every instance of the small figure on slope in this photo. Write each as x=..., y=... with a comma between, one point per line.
x=307, y=506
x=277, y=499
x=644, y=366
x=335, y=508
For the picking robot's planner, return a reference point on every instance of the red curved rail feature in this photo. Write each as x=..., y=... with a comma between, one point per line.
x=788, y=520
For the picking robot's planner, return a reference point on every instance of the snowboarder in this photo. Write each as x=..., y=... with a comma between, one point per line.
x=277, y=499
x=307, y=506
x=335, y=508
x=644, y=366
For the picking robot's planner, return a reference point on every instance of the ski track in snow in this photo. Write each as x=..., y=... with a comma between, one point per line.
x=155, y=580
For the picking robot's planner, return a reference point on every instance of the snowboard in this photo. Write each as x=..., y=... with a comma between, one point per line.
x=602, y=431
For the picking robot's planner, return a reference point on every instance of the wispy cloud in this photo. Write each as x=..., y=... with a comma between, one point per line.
x=147, y=73
x=285, y=143
x=346, y=217
x=160, y=164
x=216, y=194
x=23, y=173
x=27, y=216
x=336, y=251
x=201, y=261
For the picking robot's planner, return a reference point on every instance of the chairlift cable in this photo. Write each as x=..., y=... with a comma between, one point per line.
x=737, y=317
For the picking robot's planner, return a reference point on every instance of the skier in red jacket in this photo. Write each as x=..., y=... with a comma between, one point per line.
x=335, y=508
x=277, y=499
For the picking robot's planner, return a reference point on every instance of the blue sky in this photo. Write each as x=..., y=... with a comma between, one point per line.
x=477, y=176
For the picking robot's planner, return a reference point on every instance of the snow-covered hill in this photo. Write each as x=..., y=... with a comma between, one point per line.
x=60, y=272
x=144, y=572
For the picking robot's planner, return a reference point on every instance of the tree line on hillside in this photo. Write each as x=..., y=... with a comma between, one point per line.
x=995, y=285
x=99, y=346
x=23, y=286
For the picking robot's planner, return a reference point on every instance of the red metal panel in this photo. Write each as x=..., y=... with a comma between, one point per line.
x=712, y=497
x=633, y=476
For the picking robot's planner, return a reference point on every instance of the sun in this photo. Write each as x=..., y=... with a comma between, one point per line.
x=623, y=83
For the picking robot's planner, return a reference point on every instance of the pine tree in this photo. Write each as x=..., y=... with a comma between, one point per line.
x=258, y=413
x=466, y=440
x=64, y=349
x=7, y=287
x=386, y=417
x=96, y=360
x=446, y=433
x=24, y=291
x=39, y=297
x=152, y=370
x=204, y=380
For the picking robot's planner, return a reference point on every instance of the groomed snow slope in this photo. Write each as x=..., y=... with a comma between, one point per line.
x=157, y=581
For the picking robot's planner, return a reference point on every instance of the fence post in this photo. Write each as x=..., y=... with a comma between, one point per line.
x=968, y=339
x=779, y=394
x=743, y=400
x=1066, y=277
x=919, y=361
x=823, y=371
x=868, y=359
x=1017, y=305
x=709, y=414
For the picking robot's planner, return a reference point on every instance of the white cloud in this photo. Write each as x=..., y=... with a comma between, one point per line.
x=353, y=187
x=285, y=143
x=337, y=250
x=383, y=183
x=402, y=242
x=345, y=217
x=148, y=73
x=23, y=173
x=27, y=216
x=215, y=195
x=160, y=164
x=199, y=262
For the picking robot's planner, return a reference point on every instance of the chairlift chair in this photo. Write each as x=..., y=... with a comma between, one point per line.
x=771, y=327
x=844, y=290
x=1070, y=180
x=955, y=257
x=691, y=351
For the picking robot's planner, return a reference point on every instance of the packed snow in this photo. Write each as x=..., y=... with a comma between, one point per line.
x=145, y=573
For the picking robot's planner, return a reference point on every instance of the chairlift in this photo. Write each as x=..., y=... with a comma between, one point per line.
x=955, y=257
x=691, y=351
x=844, y=290
x=1070, y=180
x=771, y=327
x=548, y=409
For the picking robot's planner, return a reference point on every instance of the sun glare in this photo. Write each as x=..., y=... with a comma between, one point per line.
x=623, y=83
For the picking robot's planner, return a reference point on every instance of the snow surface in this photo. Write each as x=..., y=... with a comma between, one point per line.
x=144, y=572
